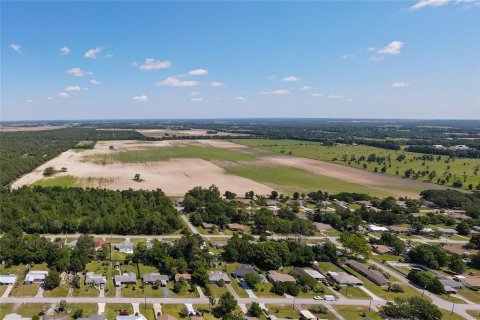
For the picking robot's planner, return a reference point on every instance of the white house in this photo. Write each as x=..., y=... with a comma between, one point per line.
x=375, y=228
x=8, y=279
x=35, y=277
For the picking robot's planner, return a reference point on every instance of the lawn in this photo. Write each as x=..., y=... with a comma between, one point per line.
x=354, y=292
x=140, y=291
x=204, y=310
x=470, y=294
x=217, y=291
x=85, y=291
x=356, y=312
x=283, y=311
x=3, y=288
x=25, y=290
x=31, y=309
x=447, y=315
x=329, y=315
x=385, y=257
x=173, y=310
x=5, y=308
x=60, y=291
x=324, y=267
x=87, y=308
x=60, y=181
x=263, y=290
x=474, y=313
x=112, y=310
x=290, y=179
x=316, y=151
x=147, y=311
x=185, y=293
x=239, y=290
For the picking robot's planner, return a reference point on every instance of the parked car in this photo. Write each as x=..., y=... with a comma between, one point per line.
x=317, y=298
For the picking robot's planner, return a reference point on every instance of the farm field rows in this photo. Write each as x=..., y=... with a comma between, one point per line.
x=177, y=166
x=462, y=169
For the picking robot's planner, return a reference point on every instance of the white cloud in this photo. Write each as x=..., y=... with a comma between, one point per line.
x=371, y=49
x=16, y=47
x=196, y=99
x=49, y=98
x=280, y=92
x=92, y=53
x=429, y=3
x=77, y=72
x=305, y=88
x=392, y=48
x=334, y=96
x=346, y=56
x=400, y=84
x=174, y=82
x=317, y=94
x=217, y=84
x=195, y=93
x=93, y=81
x=240, y=98
x=376, y=59
x=291, y=79
x=29, y=101
x=152, y=64
x=63, y=95
x=64, y=51
x=198, y=72
x=142, y=98
x=72, y=88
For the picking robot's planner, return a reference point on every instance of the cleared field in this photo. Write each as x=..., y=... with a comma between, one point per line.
x=165, y=133
x=463, y=169
x=178, y=166
x=29, y=128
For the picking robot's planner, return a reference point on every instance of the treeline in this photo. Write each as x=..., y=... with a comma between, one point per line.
x=473, y=153
x=70, y=210
x=22, y=151
x=452, y=199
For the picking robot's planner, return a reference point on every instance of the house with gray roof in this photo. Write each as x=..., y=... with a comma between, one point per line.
x=8, y=279
x=92, y=279
x=35, y=277
x=243, y=271
x=151, y=278
x=94, y=317
x=125, y=246
x=126, y=278
x=216, y=276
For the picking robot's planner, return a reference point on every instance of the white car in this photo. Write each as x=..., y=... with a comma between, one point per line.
x=317, y=298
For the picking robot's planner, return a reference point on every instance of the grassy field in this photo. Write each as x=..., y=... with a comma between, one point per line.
x=25, y=290
x=60, y=291
x=112, y=310
x=356, y=312
x=31, y=309
x=173, y=310
x=149, y=154
x=315, y=150
x=283, y=311
x=61, y=181
x=5, y=308
x=290, y=179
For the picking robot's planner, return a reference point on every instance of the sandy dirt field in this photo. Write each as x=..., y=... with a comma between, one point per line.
x=37, y=128
x=174, y=177
x=398, y=186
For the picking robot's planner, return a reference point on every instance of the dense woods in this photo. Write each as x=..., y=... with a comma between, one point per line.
x=22, y=151
x=470, y=202
x=70, y=210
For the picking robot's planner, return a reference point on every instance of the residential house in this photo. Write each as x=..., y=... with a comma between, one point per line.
x=218, y=244
x=92, y=279
x=8, y=279
x=236, y=227
x=126, y=278
x=451, y=286
x=243, y=271
x=216, y=276
x=448, y=231
x=94, y=317
x=373, y=275
x=130, y=317
x=469, y=281
x=274, y=276
x=375, y=228
x=125, y=246
x=152, y=278
x=35, y=277
x=98, y=245
x=307, y=315
x=72, y=245
x=314, y=274
x=457, y=214
x=343, y=278
x=183, y=277
x=381, y=249
x=209, y=226
x=400, y=229
x=322, y=226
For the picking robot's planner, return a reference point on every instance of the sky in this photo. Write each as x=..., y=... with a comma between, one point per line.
x=160, y=60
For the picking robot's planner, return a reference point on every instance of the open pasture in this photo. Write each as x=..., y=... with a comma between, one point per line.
x=177, y=166
x=458, y=169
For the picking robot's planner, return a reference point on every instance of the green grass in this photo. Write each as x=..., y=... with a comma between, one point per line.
x=446, y=315
x=470, y=294
x=61, y=181
x=217, y=291
x=3, y=289
x=356, y=312
x=5, y=308
x=142, y=291
x=290, y=179
x=324, y=267
x=148, y=311
x=474, y=313
x=283, y=311
x=354, y=293
x=151, y=154
x=60, y=291
x=315, y=150
x=385, y=257
x=263, y=290
x=112, y=310
x=173, y=310
x=25, y=290
x=185, y=293
x=31, y=309
x=328, y=315
x=85, y=291
x=88, y=308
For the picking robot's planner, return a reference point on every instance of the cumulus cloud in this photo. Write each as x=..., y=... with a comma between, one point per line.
x=72, y=88
x=306, y=88
x=217, y=84
x=93, y=81
x=196, y=99
x=376, y=59
x=334, y=96
x=400, y=84
x=280, y=92
x=317, y=94
x=174, y=82
x=29, y=101
x=152, y=64
x=392, y=48
x=63, y=95
x=77, y=72
x=16, y=47
x=92, y=53
x=141, y=98
x=240, y=98
x=291, y=79
x=64, y=51
x=198, y=72
x=429, y=3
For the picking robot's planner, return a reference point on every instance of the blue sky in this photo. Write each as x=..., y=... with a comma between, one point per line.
x=124, y=60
